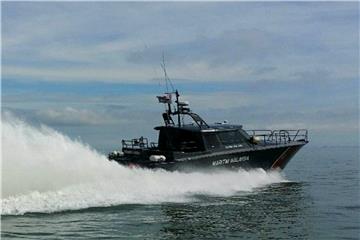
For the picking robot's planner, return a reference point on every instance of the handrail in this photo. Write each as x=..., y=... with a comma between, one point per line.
x=136, y=143
x=279, y=136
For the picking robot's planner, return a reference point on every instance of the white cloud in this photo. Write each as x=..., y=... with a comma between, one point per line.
x=85, y=74
x=224, y=41
x=217, y=100
x=72, y=116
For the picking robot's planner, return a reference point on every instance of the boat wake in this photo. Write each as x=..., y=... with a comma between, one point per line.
x=46, y=171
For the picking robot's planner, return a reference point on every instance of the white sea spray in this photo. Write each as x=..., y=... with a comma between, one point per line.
x=46, y=171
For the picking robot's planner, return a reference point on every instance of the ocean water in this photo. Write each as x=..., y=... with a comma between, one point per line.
x=57, y=188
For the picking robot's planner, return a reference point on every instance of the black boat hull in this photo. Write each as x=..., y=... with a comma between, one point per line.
x=265, y=157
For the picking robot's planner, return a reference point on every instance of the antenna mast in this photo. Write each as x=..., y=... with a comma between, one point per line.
x=180, y=108
x=167, y=79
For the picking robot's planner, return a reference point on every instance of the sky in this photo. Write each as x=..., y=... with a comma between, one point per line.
x=92, y=69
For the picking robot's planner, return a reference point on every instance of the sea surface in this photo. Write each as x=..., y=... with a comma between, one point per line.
x=67, y=190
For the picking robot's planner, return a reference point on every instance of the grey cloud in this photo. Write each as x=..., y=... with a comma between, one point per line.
x=227, y=48
x=105, y=41
x=264, y=70
x=312, y=75
x=71, y=116
x=336, y=119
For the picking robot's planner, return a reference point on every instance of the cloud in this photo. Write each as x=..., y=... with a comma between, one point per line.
x=217, y=100
x=71, y=116
x=79, y=64
x=80, y=74
x=123, y=42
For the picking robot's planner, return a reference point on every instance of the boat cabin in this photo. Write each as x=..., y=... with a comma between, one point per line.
x=192, y=138
x=198, y=135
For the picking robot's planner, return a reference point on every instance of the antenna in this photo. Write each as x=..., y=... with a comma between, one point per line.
x=167, y=79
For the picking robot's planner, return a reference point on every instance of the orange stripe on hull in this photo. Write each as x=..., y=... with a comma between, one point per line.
x=279, y=162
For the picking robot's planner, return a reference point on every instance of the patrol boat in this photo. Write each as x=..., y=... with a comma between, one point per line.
x=196, y=145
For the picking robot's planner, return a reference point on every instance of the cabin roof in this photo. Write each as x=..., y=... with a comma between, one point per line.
x=195, y=128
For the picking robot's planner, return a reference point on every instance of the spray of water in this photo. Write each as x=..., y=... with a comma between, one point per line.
x=45, y=171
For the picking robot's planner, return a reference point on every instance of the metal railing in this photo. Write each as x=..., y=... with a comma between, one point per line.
x=138, y=143
x=278, y=136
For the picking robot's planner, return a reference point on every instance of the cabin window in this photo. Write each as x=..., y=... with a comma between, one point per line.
x=188, y=142
x=185, y=141
x=211, y=141
x=230, y=137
